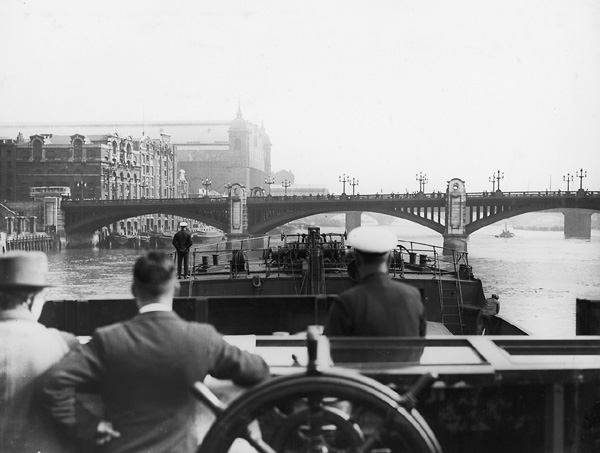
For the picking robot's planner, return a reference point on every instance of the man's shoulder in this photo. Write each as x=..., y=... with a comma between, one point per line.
x=159, y=324
x=67, y=337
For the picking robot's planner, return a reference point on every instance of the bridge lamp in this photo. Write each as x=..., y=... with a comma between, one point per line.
x=496, y=178
x=82, y=185
x=206, y=183
x=581, y=174
x=268, y=181
x=354, y=183
x=344, y=179
x=422, y=181
x=285, y=184
x=492, y=179
x=568, y=178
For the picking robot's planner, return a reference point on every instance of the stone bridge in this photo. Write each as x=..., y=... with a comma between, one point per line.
x=455, y=214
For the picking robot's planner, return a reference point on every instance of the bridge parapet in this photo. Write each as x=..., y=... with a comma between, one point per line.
x=546, y=193
x=344, y=197
x=145, y=201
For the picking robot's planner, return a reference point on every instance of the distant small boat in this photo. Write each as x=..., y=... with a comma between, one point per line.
x=207, y=235
x=161, y=240
x=505, y=233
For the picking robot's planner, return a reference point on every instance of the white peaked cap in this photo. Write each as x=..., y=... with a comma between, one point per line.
x=182, y=224
x=372, y=239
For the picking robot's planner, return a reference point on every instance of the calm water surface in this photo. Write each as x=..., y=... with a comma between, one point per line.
x=538, y=274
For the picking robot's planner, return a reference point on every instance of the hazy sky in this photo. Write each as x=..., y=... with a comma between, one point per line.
x=379, y=90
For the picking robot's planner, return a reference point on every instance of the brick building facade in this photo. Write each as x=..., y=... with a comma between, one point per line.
x=227, y=151
x=100, y=167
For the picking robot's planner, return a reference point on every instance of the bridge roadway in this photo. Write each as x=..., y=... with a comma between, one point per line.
x=266, y=213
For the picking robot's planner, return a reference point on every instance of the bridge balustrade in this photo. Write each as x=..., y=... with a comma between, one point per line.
x=330, y=197
x=553, y=193
x=136, y=201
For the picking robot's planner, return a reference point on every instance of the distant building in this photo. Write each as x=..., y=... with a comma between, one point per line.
x=7, y=169
x=284, y=175
x=228, y=151
x=97, y=167
x=100, y=167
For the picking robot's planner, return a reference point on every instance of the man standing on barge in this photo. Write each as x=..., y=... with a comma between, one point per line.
x=182, y=241
x=490, y=308
x=144, y=369
x=377, y=306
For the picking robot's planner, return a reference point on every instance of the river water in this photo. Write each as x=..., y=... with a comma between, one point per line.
x=537, y=274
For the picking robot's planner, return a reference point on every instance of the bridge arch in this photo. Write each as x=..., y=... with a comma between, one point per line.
x=93, y=219
x=290, y=215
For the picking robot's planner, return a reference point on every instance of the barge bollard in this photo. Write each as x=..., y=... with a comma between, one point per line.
x=587, y=317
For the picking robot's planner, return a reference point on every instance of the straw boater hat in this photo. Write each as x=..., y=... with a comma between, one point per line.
x=372, y=239
x=23, y=270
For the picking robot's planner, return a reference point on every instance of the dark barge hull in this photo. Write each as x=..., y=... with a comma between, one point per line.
x=441, y=297
x=494, y=393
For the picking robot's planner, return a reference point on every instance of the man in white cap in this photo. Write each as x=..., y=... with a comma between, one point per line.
x=377, y=305
x=182, y=241
x=27, y=349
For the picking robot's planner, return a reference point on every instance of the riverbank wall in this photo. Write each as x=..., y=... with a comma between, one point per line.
x=30, y=242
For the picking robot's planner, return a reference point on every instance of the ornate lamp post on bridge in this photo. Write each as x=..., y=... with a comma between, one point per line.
x=497, y=178
x=422, y=181
x=569, y=179
x=81, y=185
x=206, y=183
x=285, y=184
x=354, y=183
x=268, y=181
x=581, y=174
x=492, y=179
x=344, y=179
x=228, y=187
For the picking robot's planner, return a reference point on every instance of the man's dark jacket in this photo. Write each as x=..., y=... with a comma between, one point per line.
x=182, y=241
x=378, y=307
x=144, y=369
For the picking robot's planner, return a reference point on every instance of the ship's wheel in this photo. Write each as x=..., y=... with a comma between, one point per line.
x=333, y=411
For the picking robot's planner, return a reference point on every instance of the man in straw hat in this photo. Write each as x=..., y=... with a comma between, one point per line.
x=27, y=349
x=376, y=305
x=144, y=369
x=182, y=241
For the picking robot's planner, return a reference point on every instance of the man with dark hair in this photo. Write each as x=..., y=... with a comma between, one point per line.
x=27, y=349
x=182, y=241
x=144, y=369
x=377, y=305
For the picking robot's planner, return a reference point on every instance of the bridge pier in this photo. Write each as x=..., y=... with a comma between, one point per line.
x=578, y=224
x=352, y=220
x=455, y=233
x=456, y=242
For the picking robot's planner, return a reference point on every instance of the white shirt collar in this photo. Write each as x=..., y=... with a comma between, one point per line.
x=154, y=307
